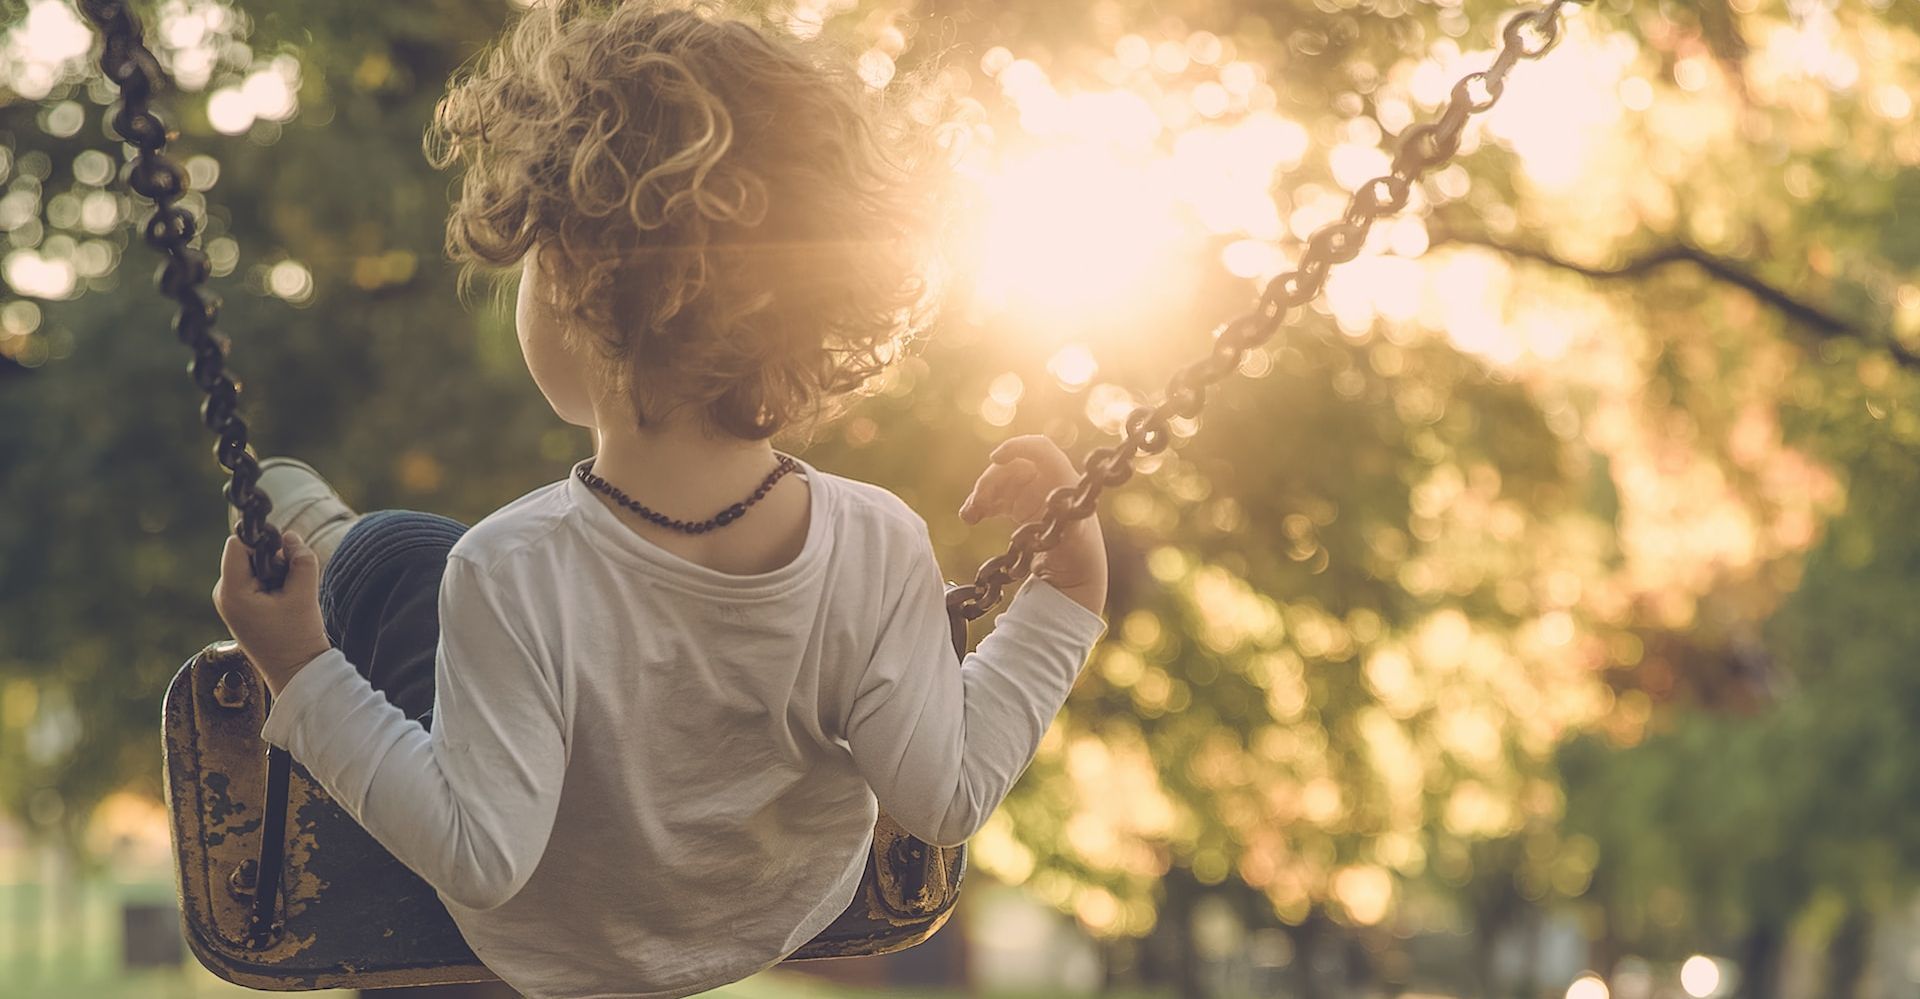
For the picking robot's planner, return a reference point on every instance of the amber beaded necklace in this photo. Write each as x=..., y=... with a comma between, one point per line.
x=718, y=520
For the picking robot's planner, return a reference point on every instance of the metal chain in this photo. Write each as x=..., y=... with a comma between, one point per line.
x=1528, y=35
x=170, y=229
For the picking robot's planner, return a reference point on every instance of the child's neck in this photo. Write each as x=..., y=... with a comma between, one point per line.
x=691, y=476
x=679, y=469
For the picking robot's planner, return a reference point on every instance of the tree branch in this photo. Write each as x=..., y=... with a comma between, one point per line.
x=1821, y=323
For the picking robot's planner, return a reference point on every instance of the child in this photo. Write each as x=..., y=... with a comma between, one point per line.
x=655, y=748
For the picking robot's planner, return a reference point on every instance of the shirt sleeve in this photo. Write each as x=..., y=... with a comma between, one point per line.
x=942, y=742
x=469, y=806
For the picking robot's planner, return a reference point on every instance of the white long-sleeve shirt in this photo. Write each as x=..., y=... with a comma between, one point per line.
x=647, y=778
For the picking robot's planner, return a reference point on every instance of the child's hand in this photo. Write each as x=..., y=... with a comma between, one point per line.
x=280, y=631
x=1024, y=470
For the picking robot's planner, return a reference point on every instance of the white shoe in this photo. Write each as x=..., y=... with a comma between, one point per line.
x=303, y=502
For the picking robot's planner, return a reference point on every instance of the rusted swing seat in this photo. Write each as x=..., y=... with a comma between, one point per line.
x=349, y=914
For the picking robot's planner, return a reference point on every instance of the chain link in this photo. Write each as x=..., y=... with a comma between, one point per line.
x=1529, y=34
x=170, y=230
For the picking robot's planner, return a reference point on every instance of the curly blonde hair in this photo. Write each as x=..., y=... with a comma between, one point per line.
x=735, y=220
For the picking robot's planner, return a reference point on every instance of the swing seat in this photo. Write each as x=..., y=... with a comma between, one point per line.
x=350, y=915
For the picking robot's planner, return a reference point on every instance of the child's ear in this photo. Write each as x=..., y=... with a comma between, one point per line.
x=530, y=268
x=537, y=281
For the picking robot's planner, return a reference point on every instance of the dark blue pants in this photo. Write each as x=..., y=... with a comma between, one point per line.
x=380, y=599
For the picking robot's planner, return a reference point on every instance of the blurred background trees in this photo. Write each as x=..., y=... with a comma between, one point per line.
x=1559, y=562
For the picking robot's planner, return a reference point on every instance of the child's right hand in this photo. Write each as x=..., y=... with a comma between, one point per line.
x=1024, y=470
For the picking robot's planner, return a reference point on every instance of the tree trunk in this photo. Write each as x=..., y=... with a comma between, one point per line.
x=1603, y=951
x=1847, y=954
x=1760, y=954
x=1536, y=927
x=1167, y=959
x=1310, y=941
x=1183, y=891
x=1483, y=959
x=1120, y=965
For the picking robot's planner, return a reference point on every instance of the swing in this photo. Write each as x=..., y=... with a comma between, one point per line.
x=280, y=889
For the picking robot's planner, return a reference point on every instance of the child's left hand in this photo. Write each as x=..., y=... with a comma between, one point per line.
x=279, y=631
